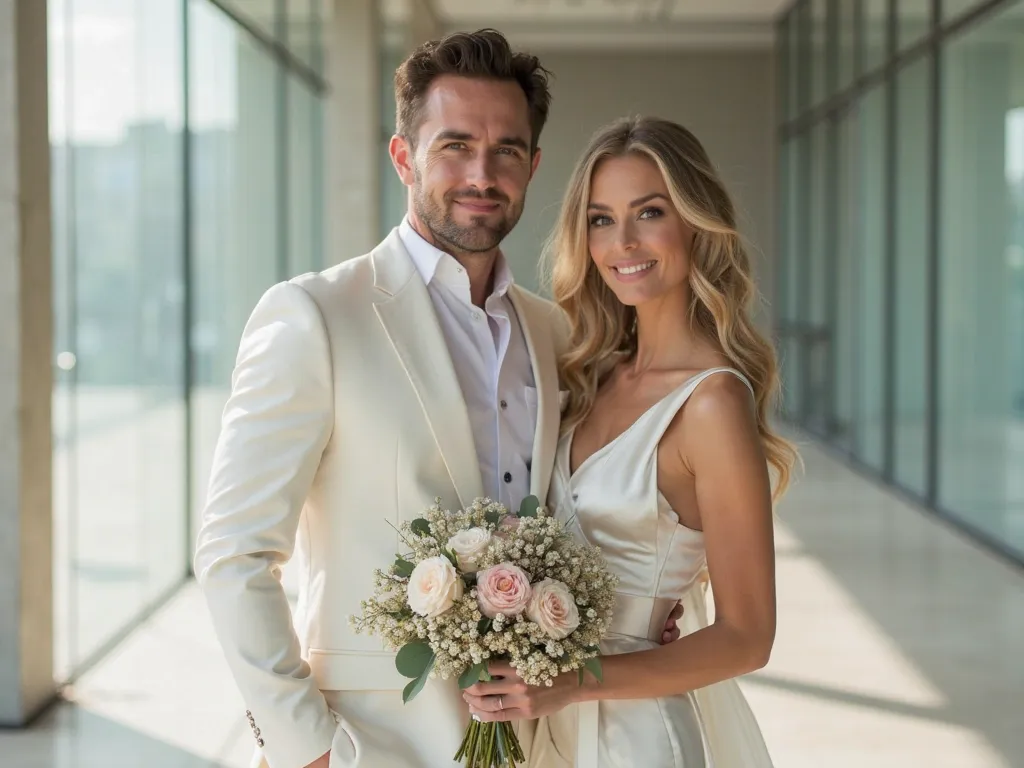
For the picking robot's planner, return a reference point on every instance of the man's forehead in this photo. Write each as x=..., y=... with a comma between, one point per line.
x=486, y=104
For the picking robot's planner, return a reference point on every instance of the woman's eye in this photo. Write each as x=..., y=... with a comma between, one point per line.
x=599, y=220
x=650, y=213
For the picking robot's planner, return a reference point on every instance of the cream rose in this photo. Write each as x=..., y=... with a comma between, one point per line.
x=469, y=546
x=503, y=589
x=553, y=609
x=434, y=586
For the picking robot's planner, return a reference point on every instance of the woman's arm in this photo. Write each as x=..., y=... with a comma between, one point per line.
x=714, y=439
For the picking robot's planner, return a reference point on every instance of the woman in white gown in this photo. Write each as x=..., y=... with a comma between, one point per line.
x=663, y=463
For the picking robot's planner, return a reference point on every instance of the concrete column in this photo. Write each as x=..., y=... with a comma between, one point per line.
x=26, y=551
x=353, y=129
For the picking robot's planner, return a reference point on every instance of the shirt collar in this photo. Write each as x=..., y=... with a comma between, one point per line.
x=434, y=264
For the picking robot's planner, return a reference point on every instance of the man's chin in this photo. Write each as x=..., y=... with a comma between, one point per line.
x=478, y=239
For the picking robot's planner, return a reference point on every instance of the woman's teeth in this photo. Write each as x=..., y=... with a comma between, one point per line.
x=636, y=268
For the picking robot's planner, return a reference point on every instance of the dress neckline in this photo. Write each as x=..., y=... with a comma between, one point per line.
x=571, y=438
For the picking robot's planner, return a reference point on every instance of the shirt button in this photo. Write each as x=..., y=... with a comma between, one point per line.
x=504, y=405
x=477, y=315
x=508, y=477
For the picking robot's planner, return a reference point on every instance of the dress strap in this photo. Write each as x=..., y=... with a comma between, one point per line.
x=669, y=407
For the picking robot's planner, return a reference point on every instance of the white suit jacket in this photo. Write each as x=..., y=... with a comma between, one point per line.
x=345, y=414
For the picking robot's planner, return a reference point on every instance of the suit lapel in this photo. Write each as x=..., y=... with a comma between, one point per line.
x=407, y=314
x=545, y=373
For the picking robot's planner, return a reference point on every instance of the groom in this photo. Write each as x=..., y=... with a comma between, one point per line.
x=359, y=394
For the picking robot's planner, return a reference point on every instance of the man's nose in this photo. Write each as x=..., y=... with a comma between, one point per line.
x=480, y=172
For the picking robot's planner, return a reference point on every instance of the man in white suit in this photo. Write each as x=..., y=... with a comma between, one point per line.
x=360, y=394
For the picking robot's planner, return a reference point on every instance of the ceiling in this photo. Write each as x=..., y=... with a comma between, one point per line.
x=610, y=24
x=611, y=11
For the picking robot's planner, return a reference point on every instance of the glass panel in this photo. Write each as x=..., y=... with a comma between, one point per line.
x=302, y=31
x=820, y=50
x=953, y=8
x=235, y=237
x=393, y=192
x=847, y=331
x=792, y=288
x=981, y=420
x=875, y=38
x=303, y=156
x=120, y=513
x=785, y=92
x=911, y=337
x=913, y=21
x=847, y=51
x=262, y=14
x=817, y=330
x=871, y=217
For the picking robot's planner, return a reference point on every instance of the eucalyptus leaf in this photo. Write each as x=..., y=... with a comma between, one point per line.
x=413, y=659
x=403, y=568
x=420, y=526
x=472, y=675
x=529, y=507
x=594, y=667
x=451, y=557
x=416, y=685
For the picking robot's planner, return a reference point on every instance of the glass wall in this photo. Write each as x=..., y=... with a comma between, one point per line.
x=903, y=218
x=172, y=131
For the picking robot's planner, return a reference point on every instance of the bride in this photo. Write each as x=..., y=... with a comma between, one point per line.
x=663, y=462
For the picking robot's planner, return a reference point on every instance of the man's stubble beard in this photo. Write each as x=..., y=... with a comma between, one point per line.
x=446, y=232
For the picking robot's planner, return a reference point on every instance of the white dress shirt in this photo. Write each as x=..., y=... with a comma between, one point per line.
x=492, y=364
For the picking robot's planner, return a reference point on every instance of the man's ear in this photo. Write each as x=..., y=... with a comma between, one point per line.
x=535, y=162
x=402, y=157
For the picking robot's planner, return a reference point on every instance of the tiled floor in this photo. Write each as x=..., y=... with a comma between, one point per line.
x=899, y=645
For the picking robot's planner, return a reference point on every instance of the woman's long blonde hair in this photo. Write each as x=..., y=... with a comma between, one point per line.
x=603, y=330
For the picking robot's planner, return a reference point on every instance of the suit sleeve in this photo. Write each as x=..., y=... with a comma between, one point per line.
x=274, y=429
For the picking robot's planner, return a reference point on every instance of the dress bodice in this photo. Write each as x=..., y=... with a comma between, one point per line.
x=613, y=496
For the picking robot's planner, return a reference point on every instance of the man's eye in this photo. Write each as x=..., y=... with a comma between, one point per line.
x=455, y=145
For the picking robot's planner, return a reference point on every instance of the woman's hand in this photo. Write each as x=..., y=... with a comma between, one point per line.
x=507, y=697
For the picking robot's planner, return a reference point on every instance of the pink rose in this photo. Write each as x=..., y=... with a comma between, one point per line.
x=503, y=589
x=553, y=609
x=508, y=524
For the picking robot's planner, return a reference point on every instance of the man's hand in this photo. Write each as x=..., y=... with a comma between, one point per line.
x=671, y=633
x=324, y=761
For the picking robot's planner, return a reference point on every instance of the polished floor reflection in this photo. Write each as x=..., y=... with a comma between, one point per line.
x=898, y=645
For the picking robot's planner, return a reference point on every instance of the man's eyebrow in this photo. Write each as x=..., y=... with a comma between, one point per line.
x=514, y=141
x=452, y=135
x=505, y=141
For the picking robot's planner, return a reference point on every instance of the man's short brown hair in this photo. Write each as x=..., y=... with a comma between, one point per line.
x=484, y=54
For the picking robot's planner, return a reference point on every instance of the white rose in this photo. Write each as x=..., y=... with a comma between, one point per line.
x=469, y=546
x=553, y=609
x=434, y=586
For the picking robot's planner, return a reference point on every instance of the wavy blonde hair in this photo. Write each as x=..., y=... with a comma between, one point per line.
x=603, y=330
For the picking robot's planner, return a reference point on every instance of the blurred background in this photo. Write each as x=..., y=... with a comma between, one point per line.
x=164, y=162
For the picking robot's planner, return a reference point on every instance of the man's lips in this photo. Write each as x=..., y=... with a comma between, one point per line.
x=479, y=206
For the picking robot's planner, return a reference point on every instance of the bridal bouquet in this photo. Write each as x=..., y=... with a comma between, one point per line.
x=484, y=584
